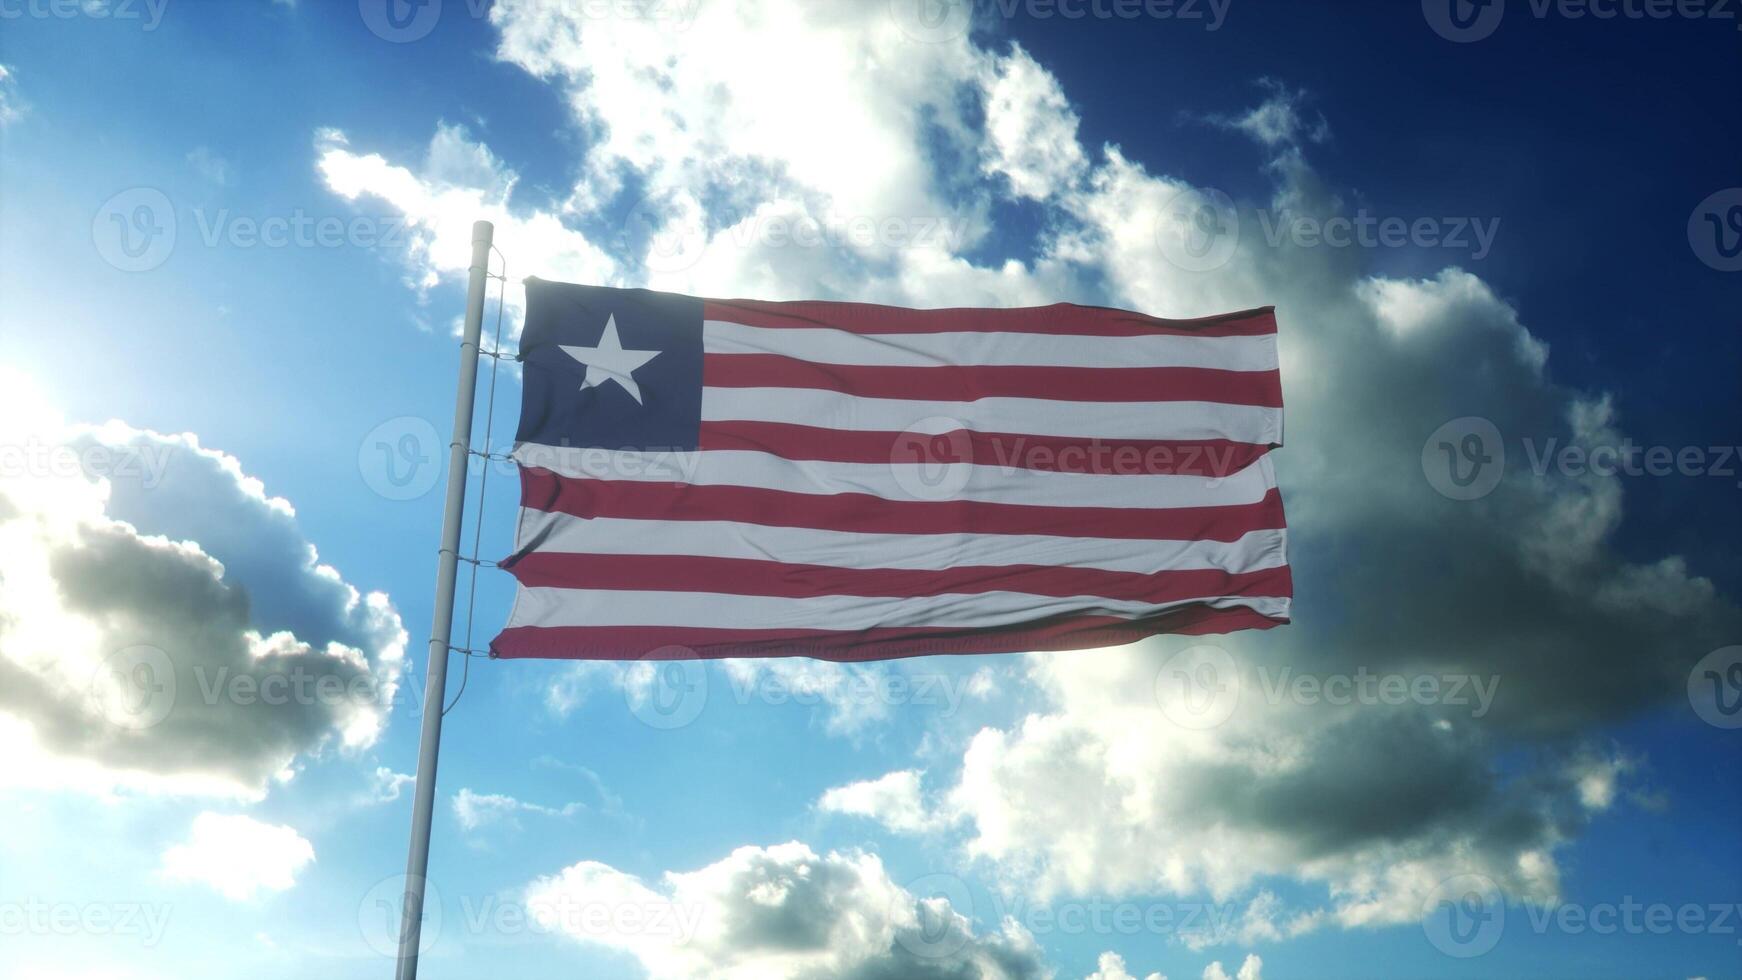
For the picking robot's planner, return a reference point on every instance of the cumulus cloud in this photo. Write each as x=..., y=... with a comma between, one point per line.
x=686, y=109
x=1103, y=789
x=779, y=913
x=1031, y=132
x=1111, y=966
x=164, y=624
x=1251, y=969
x=238, y=856
x=457, y=183
x=704, y=167
x=1115, y=791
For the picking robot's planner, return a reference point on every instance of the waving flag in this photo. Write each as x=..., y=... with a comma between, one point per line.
x=725, y=478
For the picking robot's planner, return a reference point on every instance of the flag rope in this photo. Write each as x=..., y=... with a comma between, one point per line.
x=483, y=483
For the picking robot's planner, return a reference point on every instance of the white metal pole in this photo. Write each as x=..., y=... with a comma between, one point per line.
x=435, y=687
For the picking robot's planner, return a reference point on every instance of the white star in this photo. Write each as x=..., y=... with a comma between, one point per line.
x=610, y=362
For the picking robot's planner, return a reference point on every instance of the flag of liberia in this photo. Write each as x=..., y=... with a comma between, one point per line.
x=733, y=478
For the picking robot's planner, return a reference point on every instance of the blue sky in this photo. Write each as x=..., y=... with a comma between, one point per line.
x=1063, y=159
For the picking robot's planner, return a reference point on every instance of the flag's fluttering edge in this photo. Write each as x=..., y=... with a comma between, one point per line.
x=725, y=478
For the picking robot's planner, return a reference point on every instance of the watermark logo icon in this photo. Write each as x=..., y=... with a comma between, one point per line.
x=135, y=687
x=1199, y=687
x=933, y=458
x=933, y=21
x=1715, y=688
x=1715, y=230
x=668, y=243
x=941, y=902
x=400, y=459
x=1199, y=230
x=1464, y=916
x=668, y=688
x=134, y=231
x=400, y=21
x=1465, y=458
x=1464, y=21
x=380, y=915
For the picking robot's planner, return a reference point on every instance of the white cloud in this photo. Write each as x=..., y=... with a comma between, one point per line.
x=210, y=165
x=1251, y=969
x=1106, y=793
x=476, y=810
x=238, y=856
x=165, y=627
x=385, y=785
x=893, y=800
x=720, y=101
x=983, y=685
x=458, y=183
x=1031, y=132
x=779, y=913
x=1265, y=919
x=673, y=122
x=851, y=696
x=11, y=107
x=1280, y=120
x=1111, y=966
x=568, y=690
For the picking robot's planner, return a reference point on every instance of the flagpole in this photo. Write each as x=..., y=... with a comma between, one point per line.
x=435, y=686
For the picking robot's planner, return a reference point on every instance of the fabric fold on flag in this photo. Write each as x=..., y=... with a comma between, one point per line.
x=845, y=481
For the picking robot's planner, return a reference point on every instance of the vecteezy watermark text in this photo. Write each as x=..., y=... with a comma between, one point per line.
x=1201, y=686
x=1366, y=687
x=1468, y=21
x=936, y=21
x=37, y=917
x=1367, y=230
x=855, y=688
x=538, y=914
x=148, y=12
x=1466, y=458
x=137, y=230
x=1465, y=916
x=1200, y=230
x=144, y=463
x=138, y=687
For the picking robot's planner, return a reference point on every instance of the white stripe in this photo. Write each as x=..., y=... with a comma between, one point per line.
x=603, y=607
x=565, y=533
x=827, y=346
x=1028, y=416
x=906, y=481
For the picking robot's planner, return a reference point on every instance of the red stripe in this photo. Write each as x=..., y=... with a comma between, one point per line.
x=683, y=643
x=1056, y=454
x=1060, y=318
x=966, y=384
x=746, y=576
x=543, y=490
